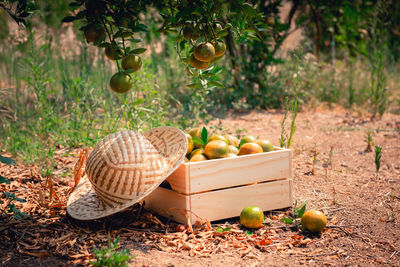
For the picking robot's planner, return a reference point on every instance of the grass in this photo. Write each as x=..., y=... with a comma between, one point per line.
x=49, y=102
x=109, y=256
x=49, y=99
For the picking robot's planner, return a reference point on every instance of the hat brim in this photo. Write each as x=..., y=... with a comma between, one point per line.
x=84, y=203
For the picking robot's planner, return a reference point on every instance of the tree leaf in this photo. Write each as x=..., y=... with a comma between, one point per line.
x=249, y=233
x=193, y=85
x=221, y=230
x=204, y=135
x=7, y=160
x=301, y=210
x=287, y=220
x=198, y=141
x=4, y=180
x=217, y=84
x=242, y=141
x=68, y=19
x=138, y=51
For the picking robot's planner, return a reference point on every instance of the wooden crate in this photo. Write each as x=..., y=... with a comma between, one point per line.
x=221, y=188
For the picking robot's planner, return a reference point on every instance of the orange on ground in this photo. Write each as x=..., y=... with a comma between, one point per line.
x=252, y=217
x=313, y=220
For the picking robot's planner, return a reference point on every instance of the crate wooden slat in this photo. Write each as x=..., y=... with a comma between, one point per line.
x=219, y=189
x=201, y=176
x=219, y=204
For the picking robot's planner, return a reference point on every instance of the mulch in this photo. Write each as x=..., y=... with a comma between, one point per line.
x=49, y=232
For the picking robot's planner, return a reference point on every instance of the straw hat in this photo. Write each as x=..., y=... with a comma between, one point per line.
x=125, y=167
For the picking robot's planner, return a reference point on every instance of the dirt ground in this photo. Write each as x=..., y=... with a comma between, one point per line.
x=363, y=208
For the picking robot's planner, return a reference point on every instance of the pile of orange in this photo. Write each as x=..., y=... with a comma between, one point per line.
x=223, y=146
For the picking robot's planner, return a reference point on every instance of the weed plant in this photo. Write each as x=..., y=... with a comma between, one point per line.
x=65, y=101
x=110, y=257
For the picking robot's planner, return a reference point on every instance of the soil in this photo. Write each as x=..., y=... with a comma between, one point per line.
x=362, y=206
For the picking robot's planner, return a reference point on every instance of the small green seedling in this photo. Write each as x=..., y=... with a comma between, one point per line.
x=378, y=155
x=221, y=229
x=109, y=257
x=369, y=140
x=298, y=212
x=9, y=208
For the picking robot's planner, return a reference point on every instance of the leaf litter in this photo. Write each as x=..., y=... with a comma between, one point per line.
x=50, y=232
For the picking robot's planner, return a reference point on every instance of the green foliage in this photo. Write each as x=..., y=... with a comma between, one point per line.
x=204, y=137
x=378, y=155
x=369, y=140
x=110, y=257
x=376, y=56
x=10, y=198
x=18, y=10
x=9, y=208
x=298, y=212
x=291, y=108
x=222, y=229
x=62, y=105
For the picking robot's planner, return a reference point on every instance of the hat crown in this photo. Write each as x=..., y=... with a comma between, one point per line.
x=123, y=166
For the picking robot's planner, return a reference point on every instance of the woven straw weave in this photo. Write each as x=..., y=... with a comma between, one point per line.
x=125, y=167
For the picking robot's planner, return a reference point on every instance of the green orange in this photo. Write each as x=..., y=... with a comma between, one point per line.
x=195, y=63
x=252, y=217
x=220, y=48
x=190, y=143
x=249, y=139
x=94, y=34
x=120, y=82
x=233, y=149
x=218, y=137
x=204, y=52
x=131, y=62
x=196, y=152
x=195, y=132
x=112, y=52
x=216, y=149
x=232, y=140
x=197, y=158
x=313, y=221
x=266, y=145
x=250, y=148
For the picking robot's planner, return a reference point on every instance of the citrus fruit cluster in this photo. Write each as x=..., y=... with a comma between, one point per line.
x=217, y=146
x=209, y=50
x=112, y=25
x=121, y=81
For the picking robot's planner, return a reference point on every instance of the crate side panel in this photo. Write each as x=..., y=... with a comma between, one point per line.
x=179, y=179
x=224, y=173
x=229, y=203
x=169, y=204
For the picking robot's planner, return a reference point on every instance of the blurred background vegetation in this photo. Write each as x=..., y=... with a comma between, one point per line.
x=54, y=88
